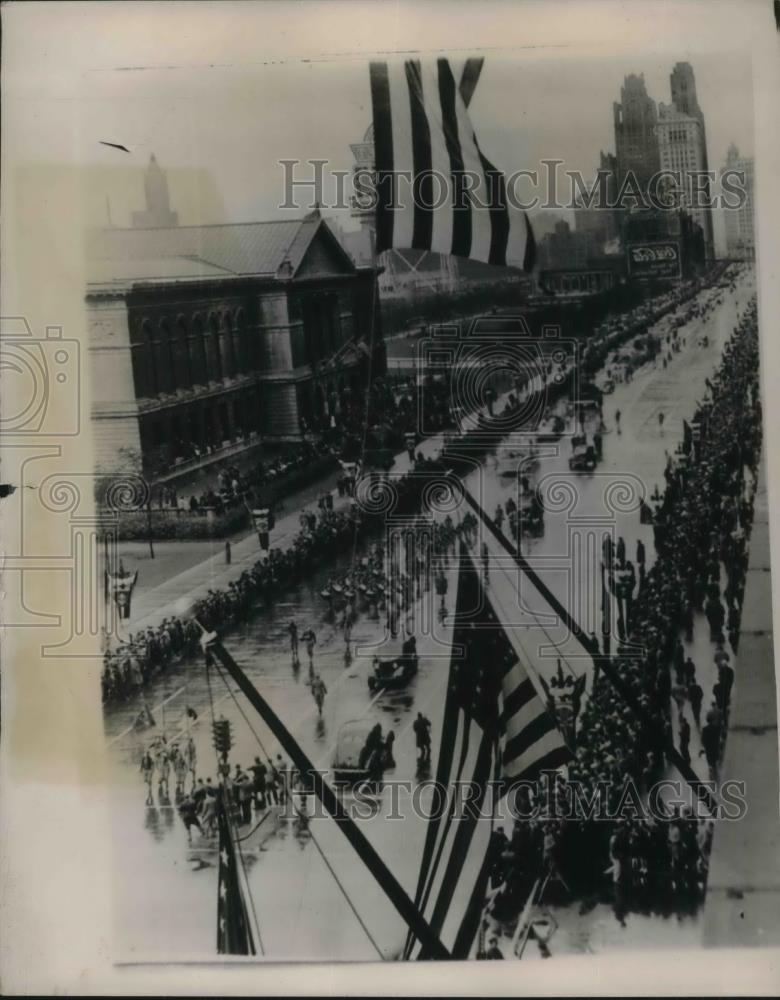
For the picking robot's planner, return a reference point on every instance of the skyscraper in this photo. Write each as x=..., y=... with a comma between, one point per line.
x=740, y=233
x=683, y=150
x=157, y=214
x=636, y=144
x=682, y=143
x=683, y=88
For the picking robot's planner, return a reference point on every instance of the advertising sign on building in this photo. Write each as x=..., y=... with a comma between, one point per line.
x=654, y=260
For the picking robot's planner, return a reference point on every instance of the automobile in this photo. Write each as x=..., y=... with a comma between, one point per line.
x=530, y=515
x=392, y=673
x=348, y=767
x=583, y=457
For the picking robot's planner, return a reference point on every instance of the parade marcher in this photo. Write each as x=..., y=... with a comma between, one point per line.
x=259, y=776
x=318, y=691
x=493, y=951
x=713, y=609
x=191, y=756
x=678, y=660
x=373, y=748
x=685, y=739
x=147, y=769
x=696, y=696
x=422, y=732
x=272, y=784
x=281, y=779
x=710, y=739
x=180, y=769
x=199, y=793
x=208, y=813
x=188, y=810
x=310, y=639
x=388, y=761
x=242, y=784
x=721, y=656
x=292, y=628
x=163, y=765
x=726, y=678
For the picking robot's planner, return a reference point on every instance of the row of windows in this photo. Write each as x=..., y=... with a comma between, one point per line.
x=174, y=355
x=193, y=431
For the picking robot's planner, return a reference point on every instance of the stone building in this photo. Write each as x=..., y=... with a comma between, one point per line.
x=740, y=221
x=682, y=144
x=636, y=145
x=208, y=341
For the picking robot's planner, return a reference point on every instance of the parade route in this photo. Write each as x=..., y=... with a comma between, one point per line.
x=261, y=648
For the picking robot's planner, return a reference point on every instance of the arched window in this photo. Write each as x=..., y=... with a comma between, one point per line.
x=243, y=360
x=144, y=362
x=228, y=354
x=181, y=353
x=213, y=358
x=197, y=352
x=166, y=376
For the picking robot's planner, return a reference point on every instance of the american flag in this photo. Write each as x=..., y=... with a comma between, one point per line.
x=234, y=935
x=496, y=726
x=457, y=201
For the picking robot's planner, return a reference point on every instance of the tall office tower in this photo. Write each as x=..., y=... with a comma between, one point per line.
x=682, y=141
x=682, y=148
x=636, y=144
x=740, y=232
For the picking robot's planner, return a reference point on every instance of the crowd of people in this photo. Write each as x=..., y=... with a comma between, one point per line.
x=617, y=329
x=323, y=534
x=234, y=487
x=702, y=522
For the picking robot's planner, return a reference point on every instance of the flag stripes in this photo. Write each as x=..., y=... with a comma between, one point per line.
x=456, y=202
x=496, y=725
x=234, y=934
x=383, y=152
x=460, y=242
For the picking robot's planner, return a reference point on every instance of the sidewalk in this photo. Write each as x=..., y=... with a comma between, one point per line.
x=743, y=894
x=174, y=556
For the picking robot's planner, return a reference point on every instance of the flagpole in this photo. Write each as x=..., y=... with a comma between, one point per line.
x=365, y=851
x=672, y=753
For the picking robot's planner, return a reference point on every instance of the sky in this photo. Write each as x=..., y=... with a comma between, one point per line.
x=237, y=124
x=227, y=101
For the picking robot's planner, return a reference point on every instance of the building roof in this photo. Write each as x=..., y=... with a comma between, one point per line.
x=108, y=272
x=233, y=249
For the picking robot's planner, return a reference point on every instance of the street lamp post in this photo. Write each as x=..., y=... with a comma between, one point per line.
x=149, y=526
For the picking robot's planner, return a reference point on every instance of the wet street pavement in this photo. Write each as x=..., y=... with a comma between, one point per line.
x=301, y=909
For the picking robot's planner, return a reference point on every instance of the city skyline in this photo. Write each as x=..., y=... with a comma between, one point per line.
x=258, y=133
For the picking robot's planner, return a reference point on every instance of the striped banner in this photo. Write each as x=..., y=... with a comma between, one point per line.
x=496, y=727
x=436, y=191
